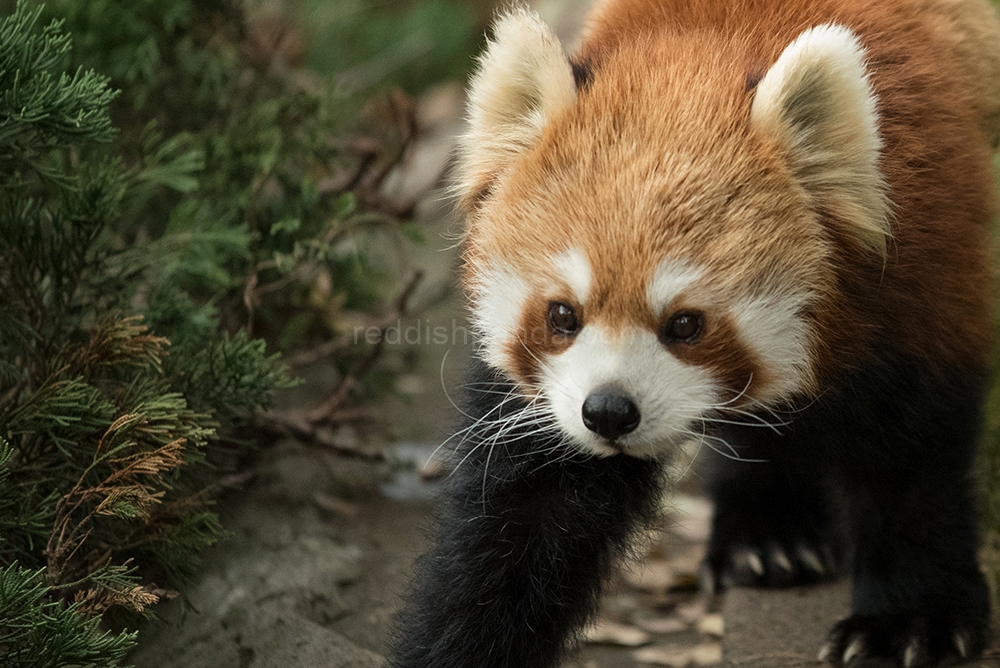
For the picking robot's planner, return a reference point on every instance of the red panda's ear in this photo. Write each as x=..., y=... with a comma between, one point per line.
x=818, y=102
x=524, y=78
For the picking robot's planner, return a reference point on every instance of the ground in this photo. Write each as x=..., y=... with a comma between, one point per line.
x=320, y=554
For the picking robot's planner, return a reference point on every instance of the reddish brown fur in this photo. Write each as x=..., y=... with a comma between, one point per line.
x=537, y=340
x=656, y=158
x=720, y=349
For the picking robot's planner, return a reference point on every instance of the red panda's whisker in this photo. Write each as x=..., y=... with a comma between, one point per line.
x=741, y=393
x=512, y=395
x=503, y=426
x=758, y=421
x=708, y=439
x=700, y=442
x=444, y=387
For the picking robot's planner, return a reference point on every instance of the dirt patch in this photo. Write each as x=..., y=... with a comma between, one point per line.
x=310, y=576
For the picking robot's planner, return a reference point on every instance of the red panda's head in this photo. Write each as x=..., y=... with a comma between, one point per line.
x=652, y=246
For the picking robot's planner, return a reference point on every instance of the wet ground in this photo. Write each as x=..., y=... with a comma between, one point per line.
x=320, y=553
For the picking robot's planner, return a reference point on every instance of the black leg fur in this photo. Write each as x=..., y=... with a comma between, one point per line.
x=775, y=522
x=526, y=534
x=900, y=448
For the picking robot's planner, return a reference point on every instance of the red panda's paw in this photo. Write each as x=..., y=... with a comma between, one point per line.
x=908, y=641
x=771, y=564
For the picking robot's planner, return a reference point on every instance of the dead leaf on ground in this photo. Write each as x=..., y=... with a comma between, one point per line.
x=674, y=656
x=712, y=625
x=692, y=611
x=707, y=654
x=671, y=624
x=608, y=632
x=654, y=576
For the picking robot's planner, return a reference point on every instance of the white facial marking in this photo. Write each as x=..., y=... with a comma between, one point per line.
x=499, y=297
x=771, y=325
x=573, y=266
x=670, y=279
x=669, y=394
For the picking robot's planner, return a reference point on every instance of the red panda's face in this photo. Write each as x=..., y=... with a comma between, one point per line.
x=642, y=263
x=636, y=342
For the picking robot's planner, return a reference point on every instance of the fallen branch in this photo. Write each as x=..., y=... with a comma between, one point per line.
x=324, y=411
x=313, y=425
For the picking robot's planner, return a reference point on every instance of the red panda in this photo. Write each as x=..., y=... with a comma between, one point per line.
x=761, y=225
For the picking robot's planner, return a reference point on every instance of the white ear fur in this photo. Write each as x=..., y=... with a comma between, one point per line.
x=817, y=99
x=524, y=78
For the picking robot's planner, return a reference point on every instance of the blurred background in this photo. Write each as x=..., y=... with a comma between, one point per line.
x=230, y=335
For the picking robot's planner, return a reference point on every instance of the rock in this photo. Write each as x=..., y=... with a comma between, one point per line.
x=295, y=585
x=411, y=384
x=440, y=107
x=410, y=481
x=265, y=642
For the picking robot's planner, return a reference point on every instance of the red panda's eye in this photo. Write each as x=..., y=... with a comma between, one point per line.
x=683, y=327
x=562, y=319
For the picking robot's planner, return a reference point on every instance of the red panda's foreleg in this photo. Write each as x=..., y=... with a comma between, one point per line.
x=527, y=532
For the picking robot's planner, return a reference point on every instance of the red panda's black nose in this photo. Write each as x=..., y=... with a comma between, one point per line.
x=610, y=413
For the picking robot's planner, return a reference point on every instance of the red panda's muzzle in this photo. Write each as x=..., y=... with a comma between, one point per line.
x=610, y=412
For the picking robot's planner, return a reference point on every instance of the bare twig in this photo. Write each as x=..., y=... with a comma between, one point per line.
x=309, y=426
x=297, y=425
x=323, y=412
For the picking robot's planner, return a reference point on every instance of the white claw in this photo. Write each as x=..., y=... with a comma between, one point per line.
x=781, y=559
x=824, y=652
x=753, y=560
x=911, y=653
x=811, y=559
x=961, y=643
x=853, y=650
